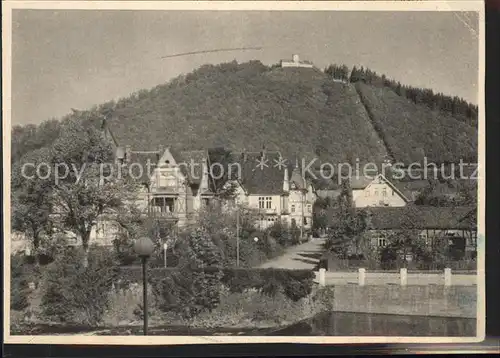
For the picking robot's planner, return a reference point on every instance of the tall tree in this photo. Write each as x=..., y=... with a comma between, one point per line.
x=93, y=188
x=31, y=196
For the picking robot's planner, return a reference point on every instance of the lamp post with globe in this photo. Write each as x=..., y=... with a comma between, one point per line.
x=144, y=247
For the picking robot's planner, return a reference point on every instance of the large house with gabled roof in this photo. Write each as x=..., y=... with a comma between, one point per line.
x=277, y=192
x=179, y=183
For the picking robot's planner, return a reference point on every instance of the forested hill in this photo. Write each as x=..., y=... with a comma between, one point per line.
x=304, y=112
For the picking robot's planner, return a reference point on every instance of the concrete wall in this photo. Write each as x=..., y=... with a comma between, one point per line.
x=394, y=278
x=430, y=300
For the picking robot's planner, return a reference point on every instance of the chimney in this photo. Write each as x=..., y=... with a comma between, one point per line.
x=244, y=155
x=296, y=58
x=128, y=150
x=204, y=176
x=263, y=152
x=286, y=180
x=120, y=154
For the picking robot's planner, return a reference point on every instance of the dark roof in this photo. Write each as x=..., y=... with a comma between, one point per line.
x=360, y=182
x=328, y=193
x=444, y=189
x=268, y=179
x=145, y=164
x=324, y=184
x=193, y=160
x=412, y=188
x=257, y=180
x=470, y=218
x=419, y=217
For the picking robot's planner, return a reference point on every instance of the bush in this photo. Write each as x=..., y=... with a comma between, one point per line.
x=295, y=284
x=191, y=291
x=124, y=250
x=77, y=294
x=19, y=289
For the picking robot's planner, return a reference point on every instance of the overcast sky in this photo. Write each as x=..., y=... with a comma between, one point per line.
x=77, y=58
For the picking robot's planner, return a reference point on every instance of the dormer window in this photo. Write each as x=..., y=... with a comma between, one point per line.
x=293, y=186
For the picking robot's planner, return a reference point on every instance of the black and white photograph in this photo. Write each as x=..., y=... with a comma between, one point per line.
x=236, y=172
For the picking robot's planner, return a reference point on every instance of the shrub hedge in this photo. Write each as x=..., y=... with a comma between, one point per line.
x=175, y=285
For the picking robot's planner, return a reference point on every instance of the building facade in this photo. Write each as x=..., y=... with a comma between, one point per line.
x=278, y=193
x=296, y=62
x=376, y=192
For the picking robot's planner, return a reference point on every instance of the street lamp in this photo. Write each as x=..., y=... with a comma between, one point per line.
x=144, y=247
x=165, y=247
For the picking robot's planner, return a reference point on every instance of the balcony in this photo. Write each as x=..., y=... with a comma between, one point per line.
x=269, y=211
x=164, y=212
x=172, y=190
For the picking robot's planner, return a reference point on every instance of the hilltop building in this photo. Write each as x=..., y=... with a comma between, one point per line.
x=296, y=62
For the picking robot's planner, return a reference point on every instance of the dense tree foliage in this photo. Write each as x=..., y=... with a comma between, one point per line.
x=292, y=110
x=412, y=132
x=458, y=107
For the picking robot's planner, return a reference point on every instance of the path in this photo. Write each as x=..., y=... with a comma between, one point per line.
x=301, y=257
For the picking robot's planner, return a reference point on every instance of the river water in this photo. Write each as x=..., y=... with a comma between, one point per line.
x=325, y=324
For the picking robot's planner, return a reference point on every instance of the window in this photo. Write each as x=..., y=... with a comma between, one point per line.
x=376, y=192
x=261, y=202
x=381, y=241
x=309, y=208
x=268, y=202
x=163, y=205
x=393, y=193
x=167, y=180
x=171, y=181
x=293, y=208
x=384, y=192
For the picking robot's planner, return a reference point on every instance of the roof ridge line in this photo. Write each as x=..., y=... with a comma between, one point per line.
x=144, y=152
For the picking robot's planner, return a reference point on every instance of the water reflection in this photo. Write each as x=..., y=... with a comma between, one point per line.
x=364, y=324
x=325, y=324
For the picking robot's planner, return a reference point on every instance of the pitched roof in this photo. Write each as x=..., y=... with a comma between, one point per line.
x=411, y=188
x=143, y=164
x=419, y=217
x=363, y=181
x=268, y=178
x=257, y=179
x=470, y=218
x=328, y=193
x=193, y=161
x=324, y=184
